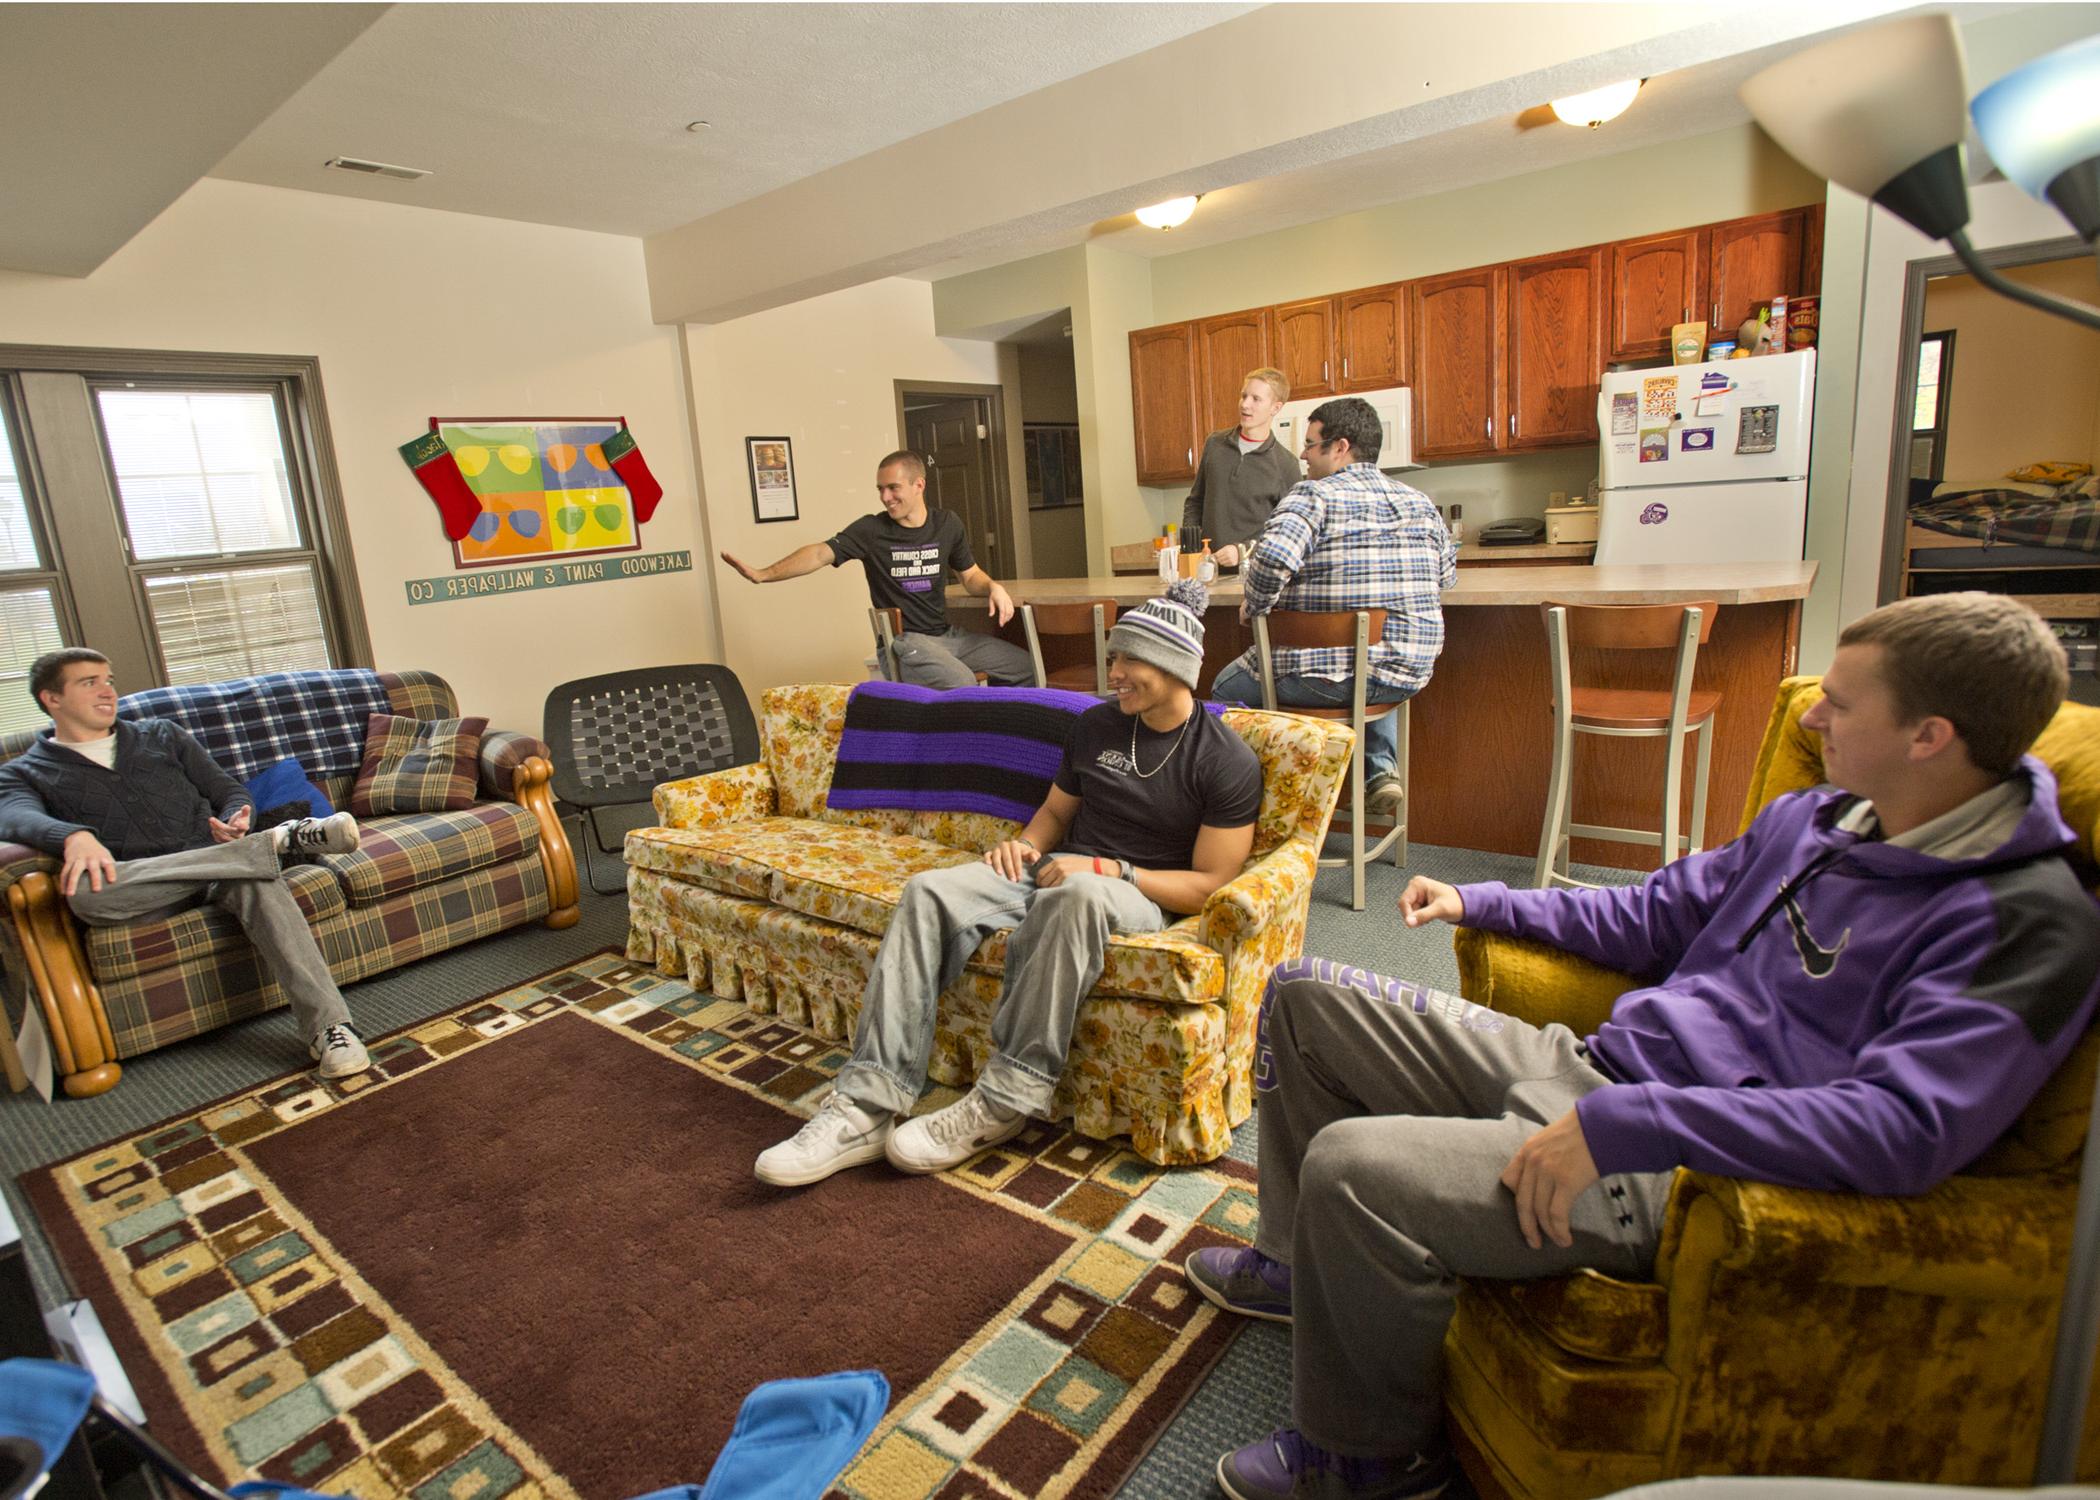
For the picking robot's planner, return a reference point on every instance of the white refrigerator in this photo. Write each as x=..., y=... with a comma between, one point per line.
x=1706, y=463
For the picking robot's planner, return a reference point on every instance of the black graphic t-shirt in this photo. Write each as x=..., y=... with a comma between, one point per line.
x=1213, y=779
x=904, y=563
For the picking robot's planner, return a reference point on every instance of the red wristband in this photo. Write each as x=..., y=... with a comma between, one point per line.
x=1097, y=864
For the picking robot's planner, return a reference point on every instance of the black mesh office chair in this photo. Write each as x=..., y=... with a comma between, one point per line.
x=616, y=736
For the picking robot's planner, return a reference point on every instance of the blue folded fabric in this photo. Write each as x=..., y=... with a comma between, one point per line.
x=43, y=1401
x=792, y=1438
x=287, y=781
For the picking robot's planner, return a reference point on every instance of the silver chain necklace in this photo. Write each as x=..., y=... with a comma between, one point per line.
x=1147, y=775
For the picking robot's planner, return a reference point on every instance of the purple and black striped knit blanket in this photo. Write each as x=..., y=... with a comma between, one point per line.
x=980, y=750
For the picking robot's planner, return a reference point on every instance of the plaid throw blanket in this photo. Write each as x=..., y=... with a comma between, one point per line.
x=2070, y=520
x=317, y=718
x=979, y=750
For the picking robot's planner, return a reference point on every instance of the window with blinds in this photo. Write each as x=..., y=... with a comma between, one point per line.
x=176, y=511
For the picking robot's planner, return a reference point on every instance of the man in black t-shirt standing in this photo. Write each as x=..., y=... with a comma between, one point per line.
x=1152, y=810
x=904, y=549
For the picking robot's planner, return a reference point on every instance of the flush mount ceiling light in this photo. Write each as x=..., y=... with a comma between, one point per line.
x=1598, y=105
x=1167, y=215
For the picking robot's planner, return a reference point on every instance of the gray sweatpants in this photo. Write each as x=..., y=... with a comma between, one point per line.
x=1059, y=943
x=1387, y=1115
x=954, y=660
x=242, y=878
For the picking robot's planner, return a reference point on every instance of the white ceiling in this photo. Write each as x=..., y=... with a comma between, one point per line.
x=576, y=114
x=111, y=112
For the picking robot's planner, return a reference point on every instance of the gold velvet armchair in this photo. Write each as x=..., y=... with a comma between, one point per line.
x=1786, y=1331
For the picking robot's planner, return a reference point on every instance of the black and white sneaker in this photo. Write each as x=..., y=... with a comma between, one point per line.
x=339, y=1052
x=306, y=837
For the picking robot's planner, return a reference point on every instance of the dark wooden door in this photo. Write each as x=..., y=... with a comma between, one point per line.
x=1657, y=282
x=1227, y=348
x=1372, y=332
x=1556, y=349
x=1301, y=336
x=1163, y=403
x=1753, y=260
x=954, y=437
x=1458, y=331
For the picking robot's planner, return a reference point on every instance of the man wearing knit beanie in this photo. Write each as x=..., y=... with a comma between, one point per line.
x=1152, y=809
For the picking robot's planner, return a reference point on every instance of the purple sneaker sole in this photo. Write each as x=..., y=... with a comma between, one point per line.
x=1228, y=1279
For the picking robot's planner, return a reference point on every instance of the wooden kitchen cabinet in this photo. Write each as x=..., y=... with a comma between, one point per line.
x=1459, y=329
x=1301, y=343
x=1371, y=332
x=1657, y=282
x=1753, y=260
x=1227, y=348
x=1557, y=307
x=1163, y=403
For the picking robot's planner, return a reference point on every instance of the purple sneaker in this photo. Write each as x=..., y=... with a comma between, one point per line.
x=1286, y=1465
x=1245, y=1281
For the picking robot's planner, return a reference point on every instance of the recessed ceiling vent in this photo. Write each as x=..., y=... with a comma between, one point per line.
x=375, y=168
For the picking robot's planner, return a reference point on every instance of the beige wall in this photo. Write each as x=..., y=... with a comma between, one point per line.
x=822, y=373
x=415, y=314
x=1050, y=393
x=2026, y=384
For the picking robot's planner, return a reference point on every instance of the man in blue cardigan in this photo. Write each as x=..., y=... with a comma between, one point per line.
x=1859, y=994
x=145, y=823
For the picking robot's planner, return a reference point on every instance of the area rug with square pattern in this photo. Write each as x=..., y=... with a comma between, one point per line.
x=525, y=1256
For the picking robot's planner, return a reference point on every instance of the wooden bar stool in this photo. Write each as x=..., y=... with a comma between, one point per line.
x=1305, y=630
x=1081, y=617
x=888, y=624
x=1626, y=713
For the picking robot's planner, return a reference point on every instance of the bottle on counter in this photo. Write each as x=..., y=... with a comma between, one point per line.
x=1458, y=525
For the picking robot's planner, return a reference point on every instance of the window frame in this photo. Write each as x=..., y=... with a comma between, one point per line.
x=99, y=533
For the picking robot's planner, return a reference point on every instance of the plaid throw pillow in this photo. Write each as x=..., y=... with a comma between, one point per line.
x=417, y=765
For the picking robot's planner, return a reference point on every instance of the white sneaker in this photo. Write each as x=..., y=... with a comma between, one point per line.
x=1383, y=796
x=310, y=836
x=840, y=1134
x=949, y=1137
x=339, y=1052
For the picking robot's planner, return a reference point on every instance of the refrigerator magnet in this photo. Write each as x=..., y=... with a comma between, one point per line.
x=1757, y=429
x=1625, y=416
x=1659, y=396
x=1655, y=445
x=1697, y=440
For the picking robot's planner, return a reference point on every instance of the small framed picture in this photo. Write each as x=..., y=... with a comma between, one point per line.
x=772, y=464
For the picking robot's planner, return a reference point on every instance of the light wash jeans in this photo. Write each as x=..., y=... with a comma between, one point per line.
x=1381, y=735
x=244, y=879
x=954, y=660
x=1060, y=940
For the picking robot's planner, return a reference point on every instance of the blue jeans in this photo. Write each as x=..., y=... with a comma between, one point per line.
x=1059, y=943
x=1381, y=735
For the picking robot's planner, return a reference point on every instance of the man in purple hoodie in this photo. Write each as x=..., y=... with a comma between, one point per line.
x=1860, y=993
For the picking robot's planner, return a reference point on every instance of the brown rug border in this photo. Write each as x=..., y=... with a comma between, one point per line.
x=40, y=1187
x=144, y=1371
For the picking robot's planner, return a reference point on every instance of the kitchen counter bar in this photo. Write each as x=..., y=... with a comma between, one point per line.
x=1482, y=731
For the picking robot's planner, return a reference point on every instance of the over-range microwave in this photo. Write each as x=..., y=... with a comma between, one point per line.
x=1394, y=407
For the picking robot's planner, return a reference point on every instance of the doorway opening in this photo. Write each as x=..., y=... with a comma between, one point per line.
x=960, y=430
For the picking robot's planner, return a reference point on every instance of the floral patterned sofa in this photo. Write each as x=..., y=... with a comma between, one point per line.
x=754, y=889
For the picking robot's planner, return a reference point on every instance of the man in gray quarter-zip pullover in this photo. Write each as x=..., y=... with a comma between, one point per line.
x=1243, y=471
x=146, y=823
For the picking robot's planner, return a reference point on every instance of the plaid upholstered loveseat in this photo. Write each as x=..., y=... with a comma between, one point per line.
x=756, y=889
x=418, y=884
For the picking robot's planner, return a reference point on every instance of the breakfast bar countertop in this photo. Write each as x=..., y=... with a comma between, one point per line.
x=1648, y=583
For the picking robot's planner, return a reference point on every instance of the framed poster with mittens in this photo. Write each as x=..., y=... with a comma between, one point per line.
x=543, y=488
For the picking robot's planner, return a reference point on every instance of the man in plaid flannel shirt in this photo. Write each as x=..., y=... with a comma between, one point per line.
x=147, y=824
x=1348, y=537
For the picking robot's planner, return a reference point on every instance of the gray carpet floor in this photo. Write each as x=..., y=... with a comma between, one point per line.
x=1246, y=1395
